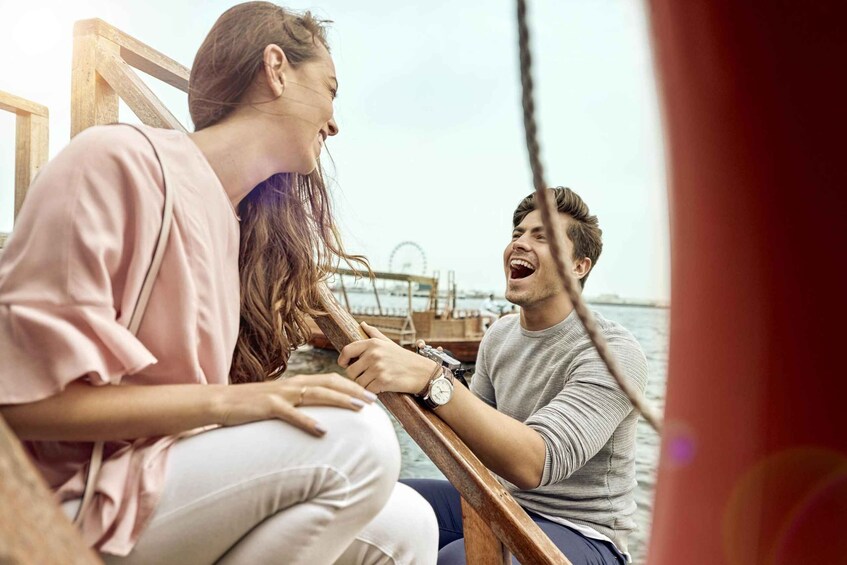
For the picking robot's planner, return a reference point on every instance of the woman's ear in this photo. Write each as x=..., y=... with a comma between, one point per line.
x=276, y=63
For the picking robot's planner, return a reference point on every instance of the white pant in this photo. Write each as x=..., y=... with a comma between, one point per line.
x=268, y=493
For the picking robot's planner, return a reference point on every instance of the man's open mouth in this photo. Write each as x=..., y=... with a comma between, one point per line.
x=520, y=269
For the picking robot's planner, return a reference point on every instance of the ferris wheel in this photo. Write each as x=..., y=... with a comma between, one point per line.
x=409, y=258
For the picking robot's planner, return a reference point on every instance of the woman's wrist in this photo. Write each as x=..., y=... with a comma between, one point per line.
x=218, y=403
x=431, y=373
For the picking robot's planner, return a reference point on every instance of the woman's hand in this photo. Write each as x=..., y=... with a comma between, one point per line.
x=280, y=399
x=380, y=365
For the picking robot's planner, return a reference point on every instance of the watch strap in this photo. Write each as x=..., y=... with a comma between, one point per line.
x=434, y=375
x=446, y=374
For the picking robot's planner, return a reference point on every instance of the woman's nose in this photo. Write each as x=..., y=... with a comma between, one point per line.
x=332, y=127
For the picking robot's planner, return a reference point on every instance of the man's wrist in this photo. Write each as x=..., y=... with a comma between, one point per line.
x=440, y=389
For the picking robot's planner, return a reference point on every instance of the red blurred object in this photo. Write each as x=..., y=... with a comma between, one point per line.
x=754, y=456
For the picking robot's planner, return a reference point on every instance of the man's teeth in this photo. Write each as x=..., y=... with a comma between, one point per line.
x=515, y=263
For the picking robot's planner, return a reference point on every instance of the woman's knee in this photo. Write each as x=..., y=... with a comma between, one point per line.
x=359, y=452
x=369, y=444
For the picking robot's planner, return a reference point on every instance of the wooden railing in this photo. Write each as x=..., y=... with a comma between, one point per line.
x=31, y=144
x=102, y=72
x=495, y=524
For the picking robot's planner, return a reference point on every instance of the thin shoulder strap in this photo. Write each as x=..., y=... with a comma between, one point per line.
x=135, y=319
x=161, y=243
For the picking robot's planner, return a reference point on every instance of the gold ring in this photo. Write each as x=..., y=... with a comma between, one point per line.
x=302, y=395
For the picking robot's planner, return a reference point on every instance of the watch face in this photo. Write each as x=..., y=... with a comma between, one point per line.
x=441, y=392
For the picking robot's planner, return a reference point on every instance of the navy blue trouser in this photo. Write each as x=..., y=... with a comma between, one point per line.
x=446, y=501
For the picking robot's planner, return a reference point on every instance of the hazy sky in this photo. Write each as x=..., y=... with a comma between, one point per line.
x=431, y=148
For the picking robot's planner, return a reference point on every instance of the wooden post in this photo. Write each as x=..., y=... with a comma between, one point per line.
x=344, y=293
x=93, y=101
x=455, y=292
x=410, y=298
x=480, y=541
x=434, y=294
x=32, y=140
x=101, y=73
x=376, y=295
x=31, y=144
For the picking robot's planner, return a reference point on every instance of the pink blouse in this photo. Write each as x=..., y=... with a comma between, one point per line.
x=69, y=278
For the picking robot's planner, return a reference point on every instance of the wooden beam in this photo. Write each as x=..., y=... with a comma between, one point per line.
x=93, y=101
x=376, y=295
x=18, y=105
x=482, y=543
x=508, y=521
x=32, y=140
x=137, y=95
x=136, y=53
x=390, y=276
x=32, y=527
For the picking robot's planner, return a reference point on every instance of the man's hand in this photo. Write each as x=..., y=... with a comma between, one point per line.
x=380, y=365
x=510, y=448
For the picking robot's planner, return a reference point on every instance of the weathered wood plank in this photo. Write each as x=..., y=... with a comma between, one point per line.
x=509, y=522
x=135, y=93
x=390, y=276
x=137, y=54
x=17, y=105
x=480, y=541
x=93, y=101
x=32, y=527
x=32, y=140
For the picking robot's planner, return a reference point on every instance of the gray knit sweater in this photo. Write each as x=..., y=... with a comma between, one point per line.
x=554, y=381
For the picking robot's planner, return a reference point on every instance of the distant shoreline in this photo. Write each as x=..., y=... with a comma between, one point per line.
x=625, y=302
x=603, y=300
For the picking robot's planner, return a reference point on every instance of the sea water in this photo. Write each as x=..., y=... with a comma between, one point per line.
x=650, y=328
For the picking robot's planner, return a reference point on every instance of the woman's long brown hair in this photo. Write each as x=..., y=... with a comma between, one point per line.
x=289, y=242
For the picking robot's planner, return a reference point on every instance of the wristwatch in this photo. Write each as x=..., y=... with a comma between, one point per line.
x=440, y=390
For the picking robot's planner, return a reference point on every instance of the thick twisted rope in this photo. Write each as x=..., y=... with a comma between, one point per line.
x=547, y=205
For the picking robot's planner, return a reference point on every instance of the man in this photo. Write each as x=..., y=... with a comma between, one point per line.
x=489, y=312
x=543, y=412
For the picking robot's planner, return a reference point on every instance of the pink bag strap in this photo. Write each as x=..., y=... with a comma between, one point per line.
x=135, y=319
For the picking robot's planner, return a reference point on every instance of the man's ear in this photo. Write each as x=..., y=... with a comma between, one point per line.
x=581, y=267
x=276, y=64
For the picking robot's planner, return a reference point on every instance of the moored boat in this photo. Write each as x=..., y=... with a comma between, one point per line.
x=457, y=331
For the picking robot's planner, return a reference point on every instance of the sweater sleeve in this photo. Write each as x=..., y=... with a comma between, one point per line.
x=579, y=421
x=74, y=265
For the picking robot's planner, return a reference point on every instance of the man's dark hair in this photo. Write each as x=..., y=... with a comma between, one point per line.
x=584, y=229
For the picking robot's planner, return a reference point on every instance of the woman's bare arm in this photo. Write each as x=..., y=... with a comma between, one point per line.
x=83, y=412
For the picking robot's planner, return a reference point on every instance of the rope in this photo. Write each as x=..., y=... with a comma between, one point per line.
x=547, y=206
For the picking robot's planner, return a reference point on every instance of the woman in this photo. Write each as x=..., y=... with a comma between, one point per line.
x=296, y=470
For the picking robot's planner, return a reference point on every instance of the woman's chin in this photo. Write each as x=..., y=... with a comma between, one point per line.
x=309, y=168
